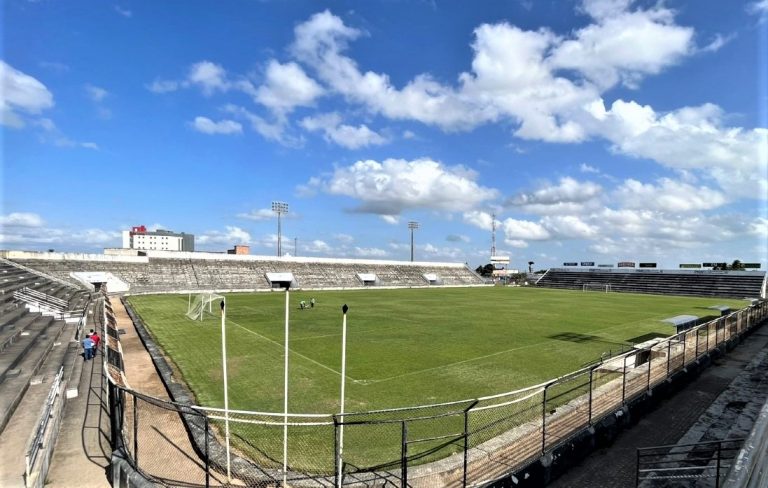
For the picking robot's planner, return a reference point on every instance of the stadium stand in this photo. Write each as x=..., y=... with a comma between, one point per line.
x=39, y=318
x=160, y=272
x=731, y=284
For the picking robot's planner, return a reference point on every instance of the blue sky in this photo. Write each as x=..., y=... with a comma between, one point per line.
x=595, y=130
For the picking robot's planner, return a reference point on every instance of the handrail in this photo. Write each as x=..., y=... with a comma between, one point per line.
x=40, y=273
x=35, y=441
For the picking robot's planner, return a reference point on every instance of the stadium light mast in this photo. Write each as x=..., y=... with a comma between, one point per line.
x=412, y=226
x=279, y=208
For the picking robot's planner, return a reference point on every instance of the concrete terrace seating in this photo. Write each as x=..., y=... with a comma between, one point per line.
x=31, y=344
x=726, y=284
x=169, y=274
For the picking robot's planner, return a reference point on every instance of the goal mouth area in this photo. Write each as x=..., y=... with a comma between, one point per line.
x=602, y=287
x=202, y=305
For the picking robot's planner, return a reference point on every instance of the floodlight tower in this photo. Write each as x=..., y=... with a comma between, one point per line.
x=412, y=226
x=279, y=208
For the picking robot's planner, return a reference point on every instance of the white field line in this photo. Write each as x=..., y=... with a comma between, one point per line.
x=434, y=368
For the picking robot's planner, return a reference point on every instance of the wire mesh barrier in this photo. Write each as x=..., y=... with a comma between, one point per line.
x=463, y=443
x=686, y=464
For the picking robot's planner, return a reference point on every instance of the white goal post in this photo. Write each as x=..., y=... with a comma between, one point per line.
x=201, y=305
x=604, y=287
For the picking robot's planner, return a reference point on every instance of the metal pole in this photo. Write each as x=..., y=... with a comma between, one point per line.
x=226, y=390
x=135, y=432
x=343, y=383
x=404, y=455
x=589, y=419
x=207, y=454
x=544, y=419
x=411, y=244
x=285, y=394
x=669, y=354
x=650, y=363
x=624, y=379
x=279, y=236
x=295, y=246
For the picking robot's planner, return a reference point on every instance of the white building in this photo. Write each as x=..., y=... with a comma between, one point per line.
x=159, y=240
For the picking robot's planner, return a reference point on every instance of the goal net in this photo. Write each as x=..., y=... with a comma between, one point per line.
x=201, y=305
x=604, y=287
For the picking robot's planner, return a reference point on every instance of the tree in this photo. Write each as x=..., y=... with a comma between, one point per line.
x=486, y=270
x=737, y=265
x=530, y=266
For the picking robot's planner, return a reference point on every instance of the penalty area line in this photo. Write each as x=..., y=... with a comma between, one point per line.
x=291, y=350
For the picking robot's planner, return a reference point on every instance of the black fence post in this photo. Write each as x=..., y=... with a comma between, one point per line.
x=650, y=363
x=637, y=471
x=685, y=342
x=717, y=471
x=404, y=455
x=696, y=355
x=115, y=417
x=624, y=380
x=669, y=354
x=135, y=431
x=207, y=456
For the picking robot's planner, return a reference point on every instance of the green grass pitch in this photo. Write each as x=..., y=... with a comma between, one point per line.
x=405, y=347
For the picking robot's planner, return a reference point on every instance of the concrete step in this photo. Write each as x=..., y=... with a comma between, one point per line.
x=29, y=362
x=21, y=403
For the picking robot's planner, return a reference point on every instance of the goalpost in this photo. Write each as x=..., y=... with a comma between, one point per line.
x=201, y=305
x=604, y=287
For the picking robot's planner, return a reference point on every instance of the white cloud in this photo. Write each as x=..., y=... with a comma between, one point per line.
x=569, y=226
x=317, y=246
x=210, y=77
x=344, y=238
x=273, y=131
x=369, y=252
x=230, y=236
x=390, y=219
x=28, y=230
x=342, y=134
x=287, y=86
x=607, y=52
x=20, y=92
x=760, y=7
x=668, y=196
x=394, y=185
x=21, y=219
x=692, y=138
x=123, y=11
x=568, y=196
x=208, y=126
x=163, y=86
x=457, y=238
x=523, y=230
x=258, y=214
x=95, y=93
x=585, y=168
x=478, y=218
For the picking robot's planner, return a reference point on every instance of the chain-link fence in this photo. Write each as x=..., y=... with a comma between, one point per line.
x=464, y=443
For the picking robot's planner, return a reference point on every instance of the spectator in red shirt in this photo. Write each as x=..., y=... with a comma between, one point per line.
x=96, y=340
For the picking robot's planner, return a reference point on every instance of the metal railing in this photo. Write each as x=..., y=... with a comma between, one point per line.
x=35, y=443
x=463, y=443
x=702, y=460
